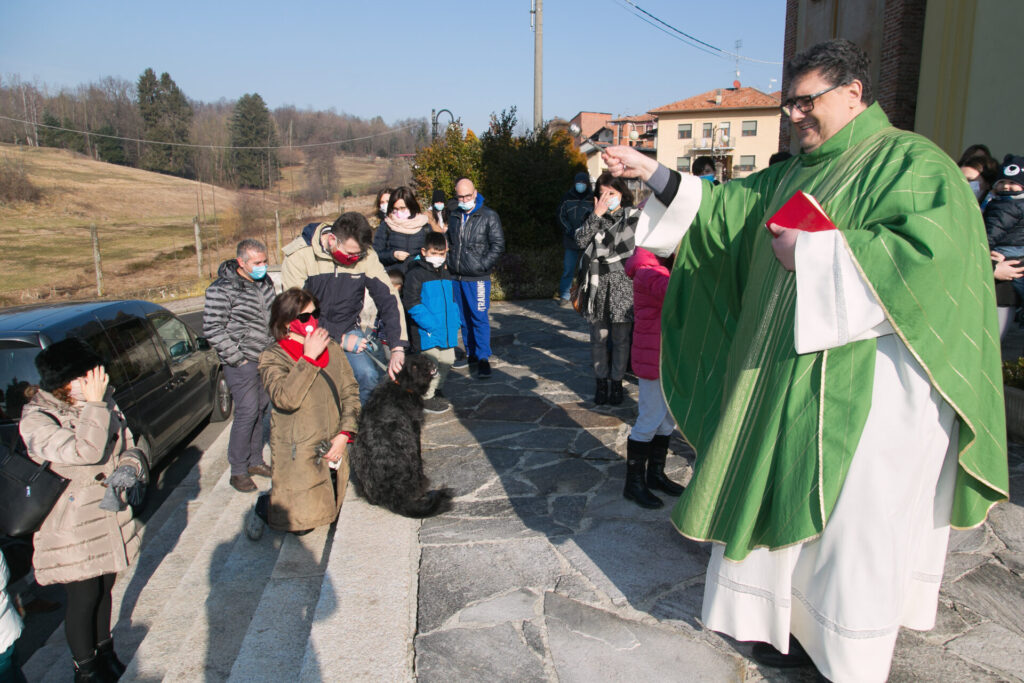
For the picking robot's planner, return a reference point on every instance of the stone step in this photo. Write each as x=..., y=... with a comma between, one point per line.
x=365, y=617
x=275, y=642
x=206, y=546
x=170, y=536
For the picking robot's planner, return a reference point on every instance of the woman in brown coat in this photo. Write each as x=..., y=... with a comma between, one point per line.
x=72, y=422
x=315, y=404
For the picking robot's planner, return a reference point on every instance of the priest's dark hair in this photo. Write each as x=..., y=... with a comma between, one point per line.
x=840, y=62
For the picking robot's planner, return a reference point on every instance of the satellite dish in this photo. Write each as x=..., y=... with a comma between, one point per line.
x=574, y=129
x=736, y=84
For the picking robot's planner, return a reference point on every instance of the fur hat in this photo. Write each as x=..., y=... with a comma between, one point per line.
x=1012, y=169
x=64, y=361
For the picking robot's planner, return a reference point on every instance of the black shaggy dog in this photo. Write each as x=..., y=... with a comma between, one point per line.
x=386, y=455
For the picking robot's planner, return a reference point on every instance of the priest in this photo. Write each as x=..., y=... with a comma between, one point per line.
x=841, y=388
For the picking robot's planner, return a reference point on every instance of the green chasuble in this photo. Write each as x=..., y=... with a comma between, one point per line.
x=775, y=431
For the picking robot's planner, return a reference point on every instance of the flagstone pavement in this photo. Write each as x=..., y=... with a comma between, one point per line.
x=542, y=571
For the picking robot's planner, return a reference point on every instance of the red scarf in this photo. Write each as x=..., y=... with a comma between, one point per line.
x=294, y=349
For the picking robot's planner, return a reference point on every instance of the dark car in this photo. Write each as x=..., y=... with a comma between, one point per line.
x=166, y=379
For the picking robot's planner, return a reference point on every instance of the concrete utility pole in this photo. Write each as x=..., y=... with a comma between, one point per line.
x=537, y=24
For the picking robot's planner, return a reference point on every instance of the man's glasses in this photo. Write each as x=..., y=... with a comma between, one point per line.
x=304, y=317
x=805, y=103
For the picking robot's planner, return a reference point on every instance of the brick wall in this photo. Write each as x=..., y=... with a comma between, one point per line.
x=899, y=66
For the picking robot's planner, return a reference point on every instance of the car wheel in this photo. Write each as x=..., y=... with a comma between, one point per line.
x=222, y=401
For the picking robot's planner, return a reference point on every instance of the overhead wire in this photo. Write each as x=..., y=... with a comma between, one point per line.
x=683, y=36
x=198, y=146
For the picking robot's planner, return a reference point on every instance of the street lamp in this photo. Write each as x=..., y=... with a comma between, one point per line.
x=433, y=121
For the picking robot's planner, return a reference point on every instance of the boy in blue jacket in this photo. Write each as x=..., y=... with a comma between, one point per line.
x=429, y=299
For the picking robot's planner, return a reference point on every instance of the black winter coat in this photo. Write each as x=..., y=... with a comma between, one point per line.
x=1004, y=223
x=236, y=315
x=387, y=241
x=475, y=244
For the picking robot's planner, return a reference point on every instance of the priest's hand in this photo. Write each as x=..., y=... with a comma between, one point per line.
x=624, y=161
x=784, y=245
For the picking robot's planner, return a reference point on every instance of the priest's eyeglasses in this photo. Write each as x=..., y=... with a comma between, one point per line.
x=805, y=103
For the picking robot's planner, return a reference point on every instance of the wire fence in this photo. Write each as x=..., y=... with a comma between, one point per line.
x=153, y=262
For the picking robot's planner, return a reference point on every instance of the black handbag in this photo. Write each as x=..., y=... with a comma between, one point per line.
x=27, y=493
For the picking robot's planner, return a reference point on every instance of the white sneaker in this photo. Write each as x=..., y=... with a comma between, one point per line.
x=254, y=526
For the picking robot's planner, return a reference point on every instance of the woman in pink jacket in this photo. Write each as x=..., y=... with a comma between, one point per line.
x=647, y=446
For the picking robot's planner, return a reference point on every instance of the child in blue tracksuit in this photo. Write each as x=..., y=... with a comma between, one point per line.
x=433, y=314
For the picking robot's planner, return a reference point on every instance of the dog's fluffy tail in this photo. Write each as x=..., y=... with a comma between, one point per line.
x=430, y=503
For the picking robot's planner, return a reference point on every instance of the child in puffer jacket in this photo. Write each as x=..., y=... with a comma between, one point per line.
x=647, y=446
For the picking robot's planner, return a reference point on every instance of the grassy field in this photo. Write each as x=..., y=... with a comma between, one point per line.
x=144, y=225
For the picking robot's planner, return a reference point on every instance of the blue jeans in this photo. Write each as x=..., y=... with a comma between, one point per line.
x=1012, y=253
x=366, y=371
x=474, y=299
x=572, y=257
x=9, y=670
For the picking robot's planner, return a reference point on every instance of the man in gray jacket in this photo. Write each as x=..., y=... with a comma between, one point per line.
x=236, y=321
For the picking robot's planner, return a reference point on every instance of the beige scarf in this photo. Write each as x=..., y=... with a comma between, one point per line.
x=407, y=226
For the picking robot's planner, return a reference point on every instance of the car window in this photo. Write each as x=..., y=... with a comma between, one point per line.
x=136, y=348
x=101, y=344
x=17, y=373
x=174, y=334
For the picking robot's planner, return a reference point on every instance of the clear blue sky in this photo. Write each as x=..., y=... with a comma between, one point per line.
x=401, y=58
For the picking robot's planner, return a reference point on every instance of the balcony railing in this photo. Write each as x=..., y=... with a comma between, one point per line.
x=722, y=143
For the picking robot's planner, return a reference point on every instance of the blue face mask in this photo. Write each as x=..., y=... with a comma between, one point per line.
x=710, y=177
x=613, y=203
x=581, y=188
x=438, y=206
x=467, y=206
x=258, y=272
x=975, y=187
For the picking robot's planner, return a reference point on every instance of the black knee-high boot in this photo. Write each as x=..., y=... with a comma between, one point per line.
x=636, y=489
x=108, y=659
x=91, y=670
x=656, y=478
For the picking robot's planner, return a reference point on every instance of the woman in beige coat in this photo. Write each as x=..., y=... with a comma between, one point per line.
x=72, y=422
x=315, y=404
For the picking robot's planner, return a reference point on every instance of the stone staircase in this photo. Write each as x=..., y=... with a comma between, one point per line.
x=204, y=603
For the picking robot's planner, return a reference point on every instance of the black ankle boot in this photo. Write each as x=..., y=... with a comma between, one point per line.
x=636, y=488
x=108, y=659
x=615, y=392
x=91, y=670
x=601, y=395
x=656, y=478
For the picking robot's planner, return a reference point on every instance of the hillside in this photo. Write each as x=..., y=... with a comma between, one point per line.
x=144, y=225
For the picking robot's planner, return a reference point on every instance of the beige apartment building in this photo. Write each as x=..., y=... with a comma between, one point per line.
x=738, y=127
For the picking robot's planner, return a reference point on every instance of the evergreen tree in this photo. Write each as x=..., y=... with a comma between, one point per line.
x=166, y=117
x=251, y=126
x=110, y=149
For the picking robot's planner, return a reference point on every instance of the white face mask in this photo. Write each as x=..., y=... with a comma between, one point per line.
x=436, y=261
x=439, y=206
x=384, y=207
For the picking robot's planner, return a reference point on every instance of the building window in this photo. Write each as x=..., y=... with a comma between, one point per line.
x=746, y=163
x=707, y=130
x=683, y=164
x=749, y=128
x=685, y=131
